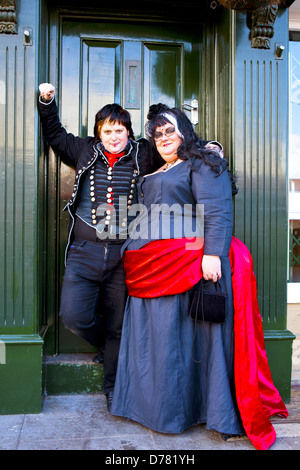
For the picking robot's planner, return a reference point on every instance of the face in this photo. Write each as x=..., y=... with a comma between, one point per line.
x=114, y=136
x=167, y=142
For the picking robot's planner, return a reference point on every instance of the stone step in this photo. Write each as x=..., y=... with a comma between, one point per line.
x=74, y=373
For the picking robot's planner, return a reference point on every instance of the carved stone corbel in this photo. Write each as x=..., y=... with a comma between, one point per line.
x=262, y=28
x=8, y=19
x=263, y=15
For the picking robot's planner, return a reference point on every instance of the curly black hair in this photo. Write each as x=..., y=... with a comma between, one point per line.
x=192, y=146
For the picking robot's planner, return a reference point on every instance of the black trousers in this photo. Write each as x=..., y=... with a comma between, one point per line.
x=94, y=277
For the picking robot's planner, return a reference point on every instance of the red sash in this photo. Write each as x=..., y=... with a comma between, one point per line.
x=164, y=267
x=168, y=267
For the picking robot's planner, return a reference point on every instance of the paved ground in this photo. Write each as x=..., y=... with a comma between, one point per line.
x=81, y=422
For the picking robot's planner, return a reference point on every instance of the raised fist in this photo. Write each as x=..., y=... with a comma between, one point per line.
x=47, y=91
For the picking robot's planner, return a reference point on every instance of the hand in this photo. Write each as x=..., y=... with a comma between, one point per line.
x=211, y=268
x=47, y=91
x=215, y=147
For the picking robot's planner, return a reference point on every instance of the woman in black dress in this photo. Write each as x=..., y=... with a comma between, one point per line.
x=173, y=374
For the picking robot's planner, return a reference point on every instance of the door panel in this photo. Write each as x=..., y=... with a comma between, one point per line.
x=100, y=69
x=162, y=74
x=135, y=65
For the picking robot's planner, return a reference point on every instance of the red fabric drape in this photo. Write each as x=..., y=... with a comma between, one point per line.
x=168, y=267
x=257, y=397
x=164, y=268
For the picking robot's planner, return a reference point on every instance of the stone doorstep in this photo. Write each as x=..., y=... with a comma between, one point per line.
x=77, y=373
x=71, y=358
x=72, y=374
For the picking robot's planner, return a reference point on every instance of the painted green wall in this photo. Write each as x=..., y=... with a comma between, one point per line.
x=20, y=373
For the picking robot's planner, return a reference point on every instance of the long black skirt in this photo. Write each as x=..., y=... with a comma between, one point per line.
x=173, y=374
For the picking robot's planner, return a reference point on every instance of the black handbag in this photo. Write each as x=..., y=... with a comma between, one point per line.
x=208, y=301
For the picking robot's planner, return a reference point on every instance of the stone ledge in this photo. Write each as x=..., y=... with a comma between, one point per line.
x=71, y=374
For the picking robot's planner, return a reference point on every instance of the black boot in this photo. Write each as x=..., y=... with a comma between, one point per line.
x=109, y=397
x=99, y=359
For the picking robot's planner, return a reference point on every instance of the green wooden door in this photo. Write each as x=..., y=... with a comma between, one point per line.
x=135, y=65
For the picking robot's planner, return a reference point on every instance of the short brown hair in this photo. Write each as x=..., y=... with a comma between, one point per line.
x=113, y=113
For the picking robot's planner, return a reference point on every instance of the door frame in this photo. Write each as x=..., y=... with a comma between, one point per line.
x=52, y=73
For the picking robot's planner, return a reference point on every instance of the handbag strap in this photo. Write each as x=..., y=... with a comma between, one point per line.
x=195, y=325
